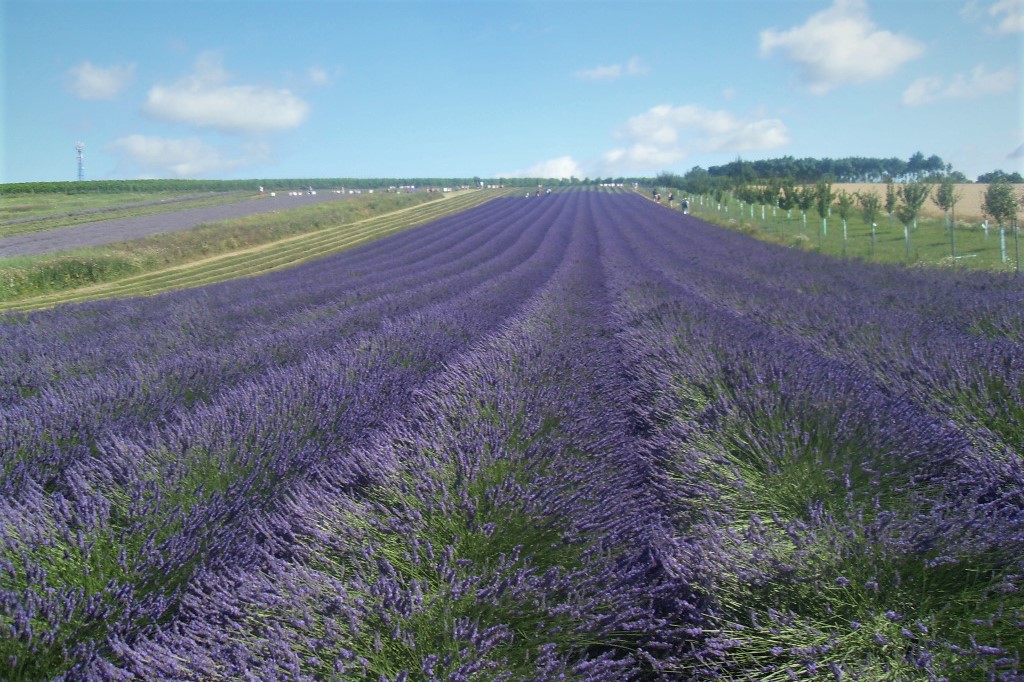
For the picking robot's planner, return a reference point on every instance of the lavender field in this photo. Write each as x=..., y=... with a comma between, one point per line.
x=570, y=437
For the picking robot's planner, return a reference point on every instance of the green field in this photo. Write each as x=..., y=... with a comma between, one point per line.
x=248, y=246
x=25, y=213
x=217, y=251
x=933, y=243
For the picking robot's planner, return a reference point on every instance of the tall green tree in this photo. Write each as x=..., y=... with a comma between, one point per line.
x=1000, y=176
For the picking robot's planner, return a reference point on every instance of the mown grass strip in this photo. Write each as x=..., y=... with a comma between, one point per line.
x=260, y=259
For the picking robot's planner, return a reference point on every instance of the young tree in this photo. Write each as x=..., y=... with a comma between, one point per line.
x=906, y=215
x=787, y=199
x=870, y=207
x=823, y=196
x=891, y=199
x=945, y=198
x=805, y=197
x=769, y=197
x=1001, y=204
x=844, y=204
x=914, y=194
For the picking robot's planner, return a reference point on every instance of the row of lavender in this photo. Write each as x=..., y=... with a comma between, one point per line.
x=505, y=532
x=147, y=437
x=578, y=437
x=843, y=445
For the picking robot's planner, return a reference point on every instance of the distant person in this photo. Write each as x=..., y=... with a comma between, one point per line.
x=671, y=198
x=685, y=204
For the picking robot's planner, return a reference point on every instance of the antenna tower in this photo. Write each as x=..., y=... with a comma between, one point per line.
x=79, y=146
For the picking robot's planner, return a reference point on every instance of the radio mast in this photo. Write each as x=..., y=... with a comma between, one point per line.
x=79, y=146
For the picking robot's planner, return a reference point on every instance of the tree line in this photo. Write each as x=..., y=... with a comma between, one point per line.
x=740, y=172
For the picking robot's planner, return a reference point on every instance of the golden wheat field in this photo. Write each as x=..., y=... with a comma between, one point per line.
x=968, y=208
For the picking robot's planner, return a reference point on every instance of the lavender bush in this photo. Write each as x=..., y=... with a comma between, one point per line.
x=577, y=436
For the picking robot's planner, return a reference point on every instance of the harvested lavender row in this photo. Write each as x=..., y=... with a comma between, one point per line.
x=571, y=437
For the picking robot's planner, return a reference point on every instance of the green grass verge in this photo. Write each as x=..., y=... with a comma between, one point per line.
x=968, y=245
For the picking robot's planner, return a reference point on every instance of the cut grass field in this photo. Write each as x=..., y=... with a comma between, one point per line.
x=218, y=251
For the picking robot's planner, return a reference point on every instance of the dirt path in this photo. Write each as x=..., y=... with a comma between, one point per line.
x=123, y=229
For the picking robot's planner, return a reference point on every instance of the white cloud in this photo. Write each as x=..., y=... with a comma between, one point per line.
x=666, y=134
x=96, y=82
x=634, y=67
x=977, y=84
x=1010, y=15
x=600, y=73
x=205, y=98
x=639, y=156
x=841, y=45
x=153, y=156
x=560, y=167
x=319, y=76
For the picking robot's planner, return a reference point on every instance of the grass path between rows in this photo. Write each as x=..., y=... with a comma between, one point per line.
x=256, y=260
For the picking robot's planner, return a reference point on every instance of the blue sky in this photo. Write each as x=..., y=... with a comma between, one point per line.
x=490, y=88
